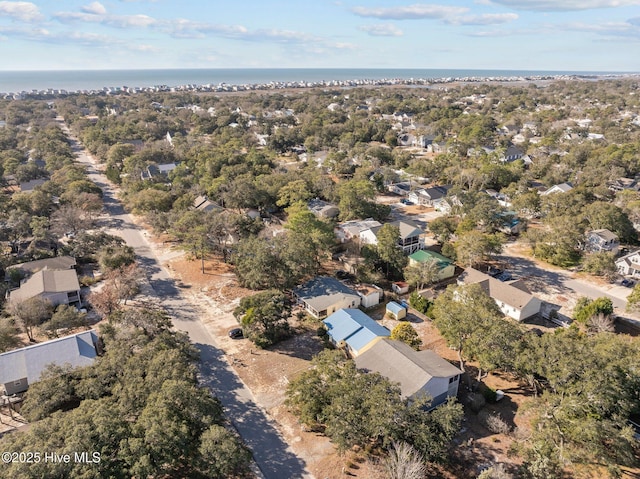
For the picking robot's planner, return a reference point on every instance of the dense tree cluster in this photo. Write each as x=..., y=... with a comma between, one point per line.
x=139, y=406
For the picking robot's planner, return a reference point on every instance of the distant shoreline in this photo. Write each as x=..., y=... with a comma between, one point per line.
x=242, y=80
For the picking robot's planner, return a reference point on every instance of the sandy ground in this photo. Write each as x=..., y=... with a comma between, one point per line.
x=268, y=372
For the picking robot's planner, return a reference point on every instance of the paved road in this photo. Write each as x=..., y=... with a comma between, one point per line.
x=271, y=453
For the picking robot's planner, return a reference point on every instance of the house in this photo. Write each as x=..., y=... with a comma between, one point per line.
x=352, y=229
x=29, y=186
x=513, y=298
x=512, y=153
x=602, y=240
x=400, y=287
x=59, y=262
x=322, y=296
x=157, y=171
x=58, y=286
x=419, y=373
x=624, y=184
x=403, y=188
x=561, y=188
x=429, y=196
x=629, y=264
x=323, y=209
x=396, y=311
x=411, y=236
x=354, y=330
x=22, y=367
x=203, y=204
x=424, y=141
x=446, y=267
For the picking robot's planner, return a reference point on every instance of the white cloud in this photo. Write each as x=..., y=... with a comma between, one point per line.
x=382, y=30
x=629, y=29
x=24, y=11
x=411, y=12
x=95, y=8
x=118, y=21
x=484, y=19
x=564, y=5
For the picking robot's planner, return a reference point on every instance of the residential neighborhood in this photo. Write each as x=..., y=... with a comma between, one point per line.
x=324, y=275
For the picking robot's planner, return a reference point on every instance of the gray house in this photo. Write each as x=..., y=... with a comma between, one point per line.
x=31, y=267
x=22, y=367
x=322, y=296
x=58, y=286
x=419, y=373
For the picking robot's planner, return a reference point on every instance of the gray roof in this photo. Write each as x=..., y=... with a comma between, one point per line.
x=59, y=262
x=76, y=350
x=408, y=229
x=30, y=185
x=400, y=363
x=323, y=291
x=604, y=234
x=47, y=281
x=514, y=294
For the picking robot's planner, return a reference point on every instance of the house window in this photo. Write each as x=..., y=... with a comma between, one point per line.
x=453, y=379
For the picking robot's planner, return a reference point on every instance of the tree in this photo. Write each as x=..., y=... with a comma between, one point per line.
x=264, y=317
x=389, y=251
x=404, y=462
x=461, y=313
x=30, y=313
x=601, y=264
x=8, y=335
x=600, y=214
x=407, y=334
x=443, y=227
x=308, y=230
x=474, y=247
x=113, y=257
x=633, y=300
x=64, y=319
x=420, y=274
x=585, y=309
x=294, y=192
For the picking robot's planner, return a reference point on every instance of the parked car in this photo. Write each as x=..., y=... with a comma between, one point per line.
x=504, y=276
x=405, y=201
x=494, y=272
x=236, y=333
x=629, y=283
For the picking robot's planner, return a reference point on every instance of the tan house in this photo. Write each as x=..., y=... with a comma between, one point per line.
x=323, y=296
x=58, y=286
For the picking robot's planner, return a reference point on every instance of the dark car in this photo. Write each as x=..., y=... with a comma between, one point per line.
x=494, y=272
x=629, y=283
x=236, y=333
x=504, y=276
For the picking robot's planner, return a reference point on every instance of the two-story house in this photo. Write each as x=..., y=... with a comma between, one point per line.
x=602, y=240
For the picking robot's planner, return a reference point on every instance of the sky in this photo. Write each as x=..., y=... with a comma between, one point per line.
x=550, y=35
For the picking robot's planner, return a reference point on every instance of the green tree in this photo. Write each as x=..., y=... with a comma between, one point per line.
x=422, y=273
x=264, y=317
x=407, y=334
x=586, y=309
x=30, y=313
x=8, y=335
x=443, y=228
x=474, y=247
x=601, y=264
x=389, y=251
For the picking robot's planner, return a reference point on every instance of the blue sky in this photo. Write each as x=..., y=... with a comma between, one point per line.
x=584, y=35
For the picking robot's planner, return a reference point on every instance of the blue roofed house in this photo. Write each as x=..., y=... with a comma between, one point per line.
x=419, y=373
x=22, y=367
x=354, y=330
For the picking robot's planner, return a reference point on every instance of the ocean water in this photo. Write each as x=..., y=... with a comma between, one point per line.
x=76, y=80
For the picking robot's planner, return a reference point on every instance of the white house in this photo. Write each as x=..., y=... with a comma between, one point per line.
x=561, y=188
x=419, y=373
x=602, y=240
x=629, y=264
x=513, y=298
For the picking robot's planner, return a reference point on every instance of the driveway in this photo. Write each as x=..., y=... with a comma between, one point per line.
x=271, y=453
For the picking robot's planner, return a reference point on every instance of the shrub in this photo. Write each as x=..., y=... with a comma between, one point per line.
x=488, y=393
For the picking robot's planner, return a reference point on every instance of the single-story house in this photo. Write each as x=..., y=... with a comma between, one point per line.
x=445, y=265
x=513, y=298
x=323, y=209
x=323, y=295
x=396, y=310
x=602, y=240
x=402, y=188
x=354, y=330
x=352, y=229
x=202, y=203
x=429, y=196
x=58, y=286
x=22, y=367
x=629, y=264
x=31, y=185
x=157, y=171
x=512, y=153
x=561, y=188
x=419, y=373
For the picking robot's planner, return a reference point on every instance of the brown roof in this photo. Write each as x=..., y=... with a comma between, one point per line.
x=59, y=262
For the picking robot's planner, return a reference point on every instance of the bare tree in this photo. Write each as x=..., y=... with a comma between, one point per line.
x=404, y=462
x=30, y=313
x=601, y=323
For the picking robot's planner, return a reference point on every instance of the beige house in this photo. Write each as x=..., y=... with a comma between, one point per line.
x=58, y=286
x=323, y=296
x=513, y=298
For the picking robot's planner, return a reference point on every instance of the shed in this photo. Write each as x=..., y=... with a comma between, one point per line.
x=397, y=311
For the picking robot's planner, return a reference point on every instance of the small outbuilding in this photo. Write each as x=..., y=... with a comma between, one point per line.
x=396, y=311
